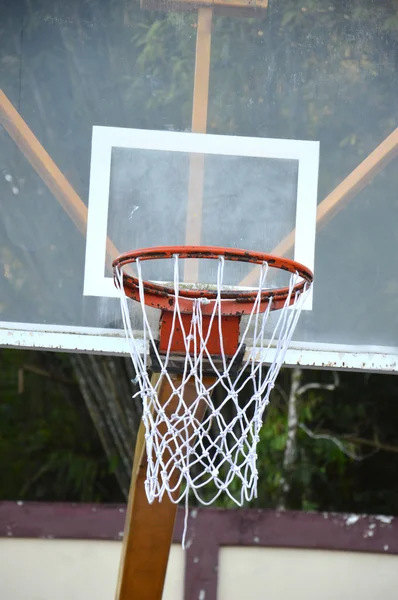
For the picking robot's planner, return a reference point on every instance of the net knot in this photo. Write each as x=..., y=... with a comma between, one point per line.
x=148, y=393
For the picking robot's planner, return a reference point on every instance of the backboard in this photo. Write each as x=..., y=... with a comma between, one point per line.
x=111, y=141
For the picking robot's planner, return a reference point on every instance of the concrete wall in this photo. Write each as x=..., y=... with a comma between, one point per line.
x=35, y=569
x=285, y=574
x=71, y=551
x=38, y=569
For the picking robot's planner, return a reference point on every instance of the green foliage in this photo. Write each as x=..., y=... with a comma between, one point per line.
x=325, y=476
x=49, y=449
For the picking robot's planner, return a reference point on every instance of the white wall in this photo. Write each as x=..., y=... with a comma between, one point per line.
x=42, y=569
x=37, y=569
x=289, y=574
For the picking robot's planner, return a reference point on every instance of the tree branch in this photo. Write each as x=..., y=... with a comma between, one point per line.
x=373, y=443
x=320, y=386
x=43, y=373
x=289, y=457
x=337, y=442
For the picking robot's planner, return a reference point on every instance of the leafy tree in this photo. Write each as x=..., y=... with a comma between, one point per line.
x=49, y=448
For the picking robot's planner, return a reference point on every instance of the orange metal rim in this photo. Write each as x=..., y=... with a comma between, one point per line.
x=237, y=302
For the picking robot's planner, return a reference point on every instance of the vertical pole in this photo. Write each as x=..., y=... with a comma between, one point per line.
x=199, y=125
x=202, y=70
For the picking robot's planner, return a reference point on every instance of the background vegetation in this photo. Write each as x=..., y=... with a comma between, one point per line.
x=340, y=452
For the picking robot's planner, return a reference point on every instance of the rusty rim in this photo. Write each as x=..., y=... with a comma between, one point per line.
x=237, y=302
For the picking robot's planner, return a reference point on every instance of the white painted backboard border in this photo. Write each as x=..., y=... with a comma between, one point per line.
x=104, y=139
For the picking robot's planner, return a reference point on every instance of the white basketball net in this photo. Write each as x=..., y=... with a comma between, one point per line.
x=186, y=454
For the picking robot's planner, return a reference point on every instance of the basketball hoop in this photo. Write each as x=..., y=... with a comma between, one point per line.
x=204, y=343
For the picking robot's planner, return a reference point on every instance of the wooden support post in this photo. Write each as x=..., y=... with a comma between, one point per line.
x=149, y=527
x=46, y=168
x=341, y=195
x=199, y=125
x=202, y=70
